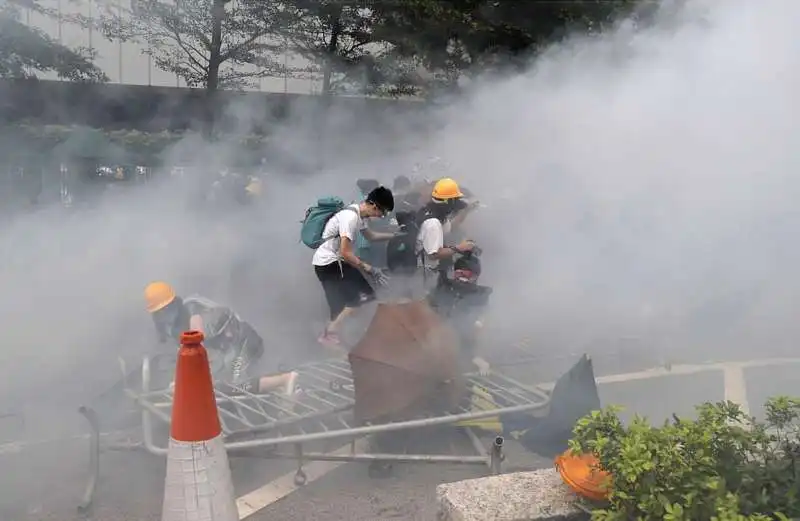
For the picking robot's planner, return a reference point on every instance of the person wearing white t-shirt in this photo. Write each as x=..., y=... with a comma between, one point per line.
x=445, y=200
x=337, y=266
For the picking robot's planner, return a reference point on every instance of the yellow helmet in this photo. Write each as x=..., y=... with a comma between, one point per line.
x=254, y=187
x=445, y=189
x=158, y=295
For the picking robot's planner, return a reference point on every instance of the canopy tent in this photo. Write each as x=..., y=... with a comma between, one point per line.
x=406, y=364
x=90, y=144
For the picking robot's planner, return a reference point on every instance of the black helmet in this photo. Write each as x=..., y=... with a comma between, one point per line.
x=382, y=198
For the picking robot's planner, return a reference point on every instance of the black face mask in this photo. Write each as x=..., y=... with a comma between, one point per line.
x=171, y=321
x=439, y=211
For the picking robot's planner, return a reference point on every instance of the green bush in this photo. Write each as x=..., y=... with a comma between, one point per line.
x=723, y=466
x=133, y=144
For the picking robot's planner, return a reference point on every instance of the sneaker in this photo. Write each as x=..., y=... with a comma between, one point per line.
x=329, y=339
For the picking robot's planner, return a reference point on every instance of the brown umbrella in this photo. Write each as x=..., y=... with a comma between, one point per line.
x=406, y=364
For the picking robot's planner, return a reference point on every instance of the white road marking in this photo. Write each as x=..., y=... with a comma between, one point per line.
x=734, y=391
x=736, y=387
x=281, y=487
x=15, y=447
x=683, y=369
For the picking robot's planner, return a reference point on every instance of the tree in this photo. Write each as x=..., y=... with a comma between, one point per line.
x=456, y=37
x=25, y=51
x=205, y=42
x=333, y=35
x=722, y=466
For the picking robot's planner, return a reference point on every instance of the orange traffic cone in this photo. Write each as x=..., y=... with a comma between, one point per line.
x=198, y=485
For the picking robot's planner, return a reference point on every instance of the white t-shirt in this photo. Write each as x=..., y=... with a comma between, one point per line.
x=431, y=238
x=346, y=223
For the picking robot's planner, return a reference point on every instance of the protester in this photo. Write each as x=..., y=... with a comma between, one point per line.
x=422, y=251
x=340, y=271
x=462, y=302
x=233, y=345
x=405, y=197
x=373, y=254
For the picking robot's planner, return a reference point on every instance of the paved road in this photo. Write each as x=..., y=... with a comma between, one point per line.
x=45, y=481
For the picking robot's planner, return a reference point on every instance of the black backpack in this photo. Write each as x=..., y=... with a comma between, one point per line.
x=401, y=256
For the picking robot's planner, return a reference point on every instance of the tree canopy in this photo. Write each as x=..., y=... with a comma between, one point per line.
x=208, y=43
x=376, y=46
x=26, y=51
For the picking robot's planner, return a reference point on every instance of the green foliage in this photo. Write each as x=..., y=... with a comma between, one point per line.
x=383, y=47
x=723, y=466
x=25, y=51
x=450, y=38
x=62, y=142
x=181, y=38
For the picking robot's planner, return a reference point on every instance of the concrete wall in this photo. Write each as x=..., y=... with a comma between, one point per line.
x=115, y=106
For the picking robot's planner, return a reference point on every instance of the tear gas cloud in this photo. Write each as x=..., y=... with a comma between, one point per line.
x=636, y=184
x=643, y=185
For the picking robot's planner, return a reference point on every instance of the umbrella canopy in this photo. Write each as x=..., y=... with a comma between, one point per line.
x=406, y=364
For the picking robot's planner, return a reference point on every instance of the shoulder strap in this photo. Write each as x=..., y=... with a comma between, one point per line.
x=350, y=208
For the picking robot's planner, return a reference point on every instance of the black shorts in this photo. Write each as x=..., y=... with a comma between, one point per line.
x=344, y=286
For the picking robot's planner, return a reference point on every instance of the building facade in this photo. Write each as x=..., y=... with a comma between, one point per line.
x=128, y=62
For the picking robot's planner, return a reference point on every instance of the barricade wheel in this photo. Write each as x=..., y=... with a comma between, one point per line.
x=300, y=478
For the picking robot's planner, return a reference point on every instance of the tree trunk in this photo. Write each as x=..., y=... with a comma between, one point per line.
x=214, y=62
x=330, y=55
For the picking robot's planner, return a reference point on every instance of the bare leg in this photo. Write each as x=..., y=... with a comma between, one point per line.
x=286, y=381
x=335, y=324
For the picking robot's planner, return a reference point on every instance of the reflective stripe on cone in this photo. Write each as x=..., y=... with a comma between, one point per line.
x=198, y=485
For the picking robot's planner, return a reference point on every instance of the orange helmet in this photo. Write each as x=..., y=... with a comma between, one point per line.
x=446, y=189
x=158, y=295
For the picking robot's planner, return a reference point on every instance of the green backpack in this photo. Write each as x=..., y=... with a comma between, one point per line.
x=316, y=218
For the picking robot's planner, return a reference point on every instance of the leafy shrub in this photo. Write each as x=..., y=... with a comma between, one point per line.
x=723, y=466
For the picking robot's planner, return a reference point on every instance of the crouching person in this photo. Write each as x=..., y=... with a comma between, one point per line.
x=462, y=302
x=233, y=345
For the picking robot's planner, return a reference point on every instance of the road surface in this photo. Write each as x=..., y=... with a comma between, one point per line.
x=43, y=476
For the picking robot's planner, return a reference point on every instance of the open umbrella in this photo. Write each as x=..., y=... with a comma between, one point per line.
x=406, y=364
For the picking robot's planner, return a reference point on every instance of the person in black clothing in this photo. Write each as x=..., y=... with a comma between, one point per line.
x=462, y=302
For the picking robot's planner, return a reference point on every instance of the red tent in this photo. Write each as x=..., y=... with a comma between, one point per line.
x=406, y=364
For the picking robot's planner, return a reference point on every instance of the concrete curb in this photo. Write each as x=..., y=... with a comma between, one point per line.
x=523, y=496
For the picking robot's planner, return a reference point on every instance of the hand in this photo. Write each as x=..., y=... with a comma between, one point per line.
x=377, y=275
x=484, y=369
x=380, y=278
x=473, y=204
x=465, y=246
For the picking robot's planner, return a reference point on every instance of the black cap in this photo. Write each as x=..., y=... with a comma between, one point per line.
x=382, y=198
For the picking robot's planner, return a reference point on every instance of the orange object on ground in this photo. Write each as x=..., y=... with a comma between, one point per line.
x=198, y=484
x=582, y=475
x=194, y=408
